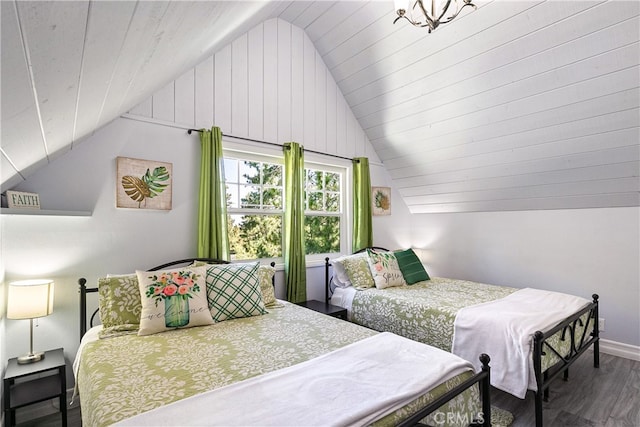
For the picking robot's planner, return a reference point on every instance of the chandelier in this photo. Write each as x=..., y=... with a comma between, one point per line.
x=439, y=13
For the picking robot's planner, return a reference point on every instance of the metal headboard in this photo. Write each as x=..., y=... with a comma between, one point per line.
x=84, y=290
x=329, y=279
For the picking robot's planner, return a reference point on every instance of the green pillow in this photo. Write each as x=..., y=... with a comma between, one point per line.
x=265, y=276
x=358, y=271
x=411, y=267
x=120, y=305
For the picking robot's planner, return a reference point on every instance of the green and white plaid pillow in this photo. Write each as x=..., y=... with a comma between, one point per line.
x=233, y=291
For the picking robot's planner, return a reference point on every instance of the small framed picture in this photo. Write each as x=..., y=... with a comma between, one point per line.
x=143, y=184
x=381, y=200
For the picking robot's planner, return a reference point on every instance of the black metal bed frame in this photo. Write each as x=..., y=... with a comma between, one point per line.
x=84, y=290
x=482, y=378
x=579, y=343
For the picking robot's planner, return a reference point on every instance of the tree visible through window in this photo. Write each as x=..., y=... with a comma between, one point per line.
x=323, y=209
x=255, y=209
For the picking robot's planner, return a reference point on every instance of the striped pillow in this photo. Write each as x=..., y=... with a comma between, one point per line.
x=411, y=267
x=233, y=291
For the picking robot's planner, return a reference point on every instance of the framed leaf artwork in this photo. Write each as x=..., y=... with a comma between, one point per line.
x=381, y=200
x=143, y=184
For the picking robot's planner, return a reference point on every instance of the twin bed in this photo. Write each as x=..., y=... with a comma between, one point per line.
x=267, y=363
x=534, y=335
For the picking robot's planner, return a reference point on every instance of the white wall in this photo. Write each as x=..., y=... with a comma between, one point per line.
x=579, y=251
x=269, y=84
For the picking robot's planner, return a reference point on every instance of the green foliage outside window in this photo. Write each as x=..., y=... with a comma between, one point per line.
x=258, y=186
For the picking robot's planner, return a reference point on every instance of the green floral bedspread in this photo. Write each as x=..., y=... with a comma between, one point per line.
x=426, y=311
x=125, y=375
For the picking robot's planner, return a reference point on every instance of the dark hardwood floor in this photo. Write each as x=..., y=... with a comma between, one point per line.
x=604, y=397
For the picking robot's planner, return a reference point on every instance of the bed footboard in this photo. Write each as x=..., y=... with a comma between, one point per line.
x=483, y=379
x=581, y=329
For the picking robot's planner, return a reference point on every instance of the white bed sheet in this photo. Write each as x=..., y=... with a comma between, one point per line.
x=343, y=297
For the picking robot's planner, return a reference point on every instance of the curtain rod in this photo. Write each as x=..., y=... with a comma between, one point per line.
x=277, y=145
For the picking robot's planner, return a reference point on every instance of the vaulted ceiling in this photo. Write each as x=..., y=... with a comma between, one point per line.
x=514, y=105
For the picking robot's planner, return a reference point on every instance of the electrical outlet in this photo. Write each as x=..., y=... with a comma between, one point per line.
x=601, y=324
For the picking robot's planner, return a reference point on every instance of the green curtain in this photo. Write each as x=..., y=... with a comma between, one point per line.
x=294, y=249
x=362, y=223
x=213, y=237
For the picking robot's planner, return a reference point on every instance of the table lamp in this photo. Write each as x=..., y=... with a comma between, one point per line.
x=30, y=299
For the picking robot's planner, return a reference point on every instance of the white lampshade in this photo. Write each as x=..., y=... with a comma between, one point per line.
x=29, y=299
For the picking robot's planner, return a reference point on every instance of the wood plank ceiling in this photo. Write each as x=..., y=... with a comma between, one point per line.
x=517, y=105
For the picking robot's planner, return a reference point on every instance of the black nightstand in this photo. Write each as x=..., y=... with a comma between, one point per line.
x=45, y=386
x=325, y=308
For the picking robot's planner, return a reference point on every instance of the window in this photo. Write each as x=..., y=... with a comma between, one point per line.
x=254, y=206
x=323, y=211
x=255, y=203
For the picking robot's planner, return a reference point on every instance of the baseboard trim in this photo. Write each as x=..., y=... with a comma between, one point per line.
x=620, y=349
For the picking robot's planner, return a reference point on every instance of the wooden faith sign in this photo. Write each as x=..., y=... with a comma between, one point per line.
x=22, y=200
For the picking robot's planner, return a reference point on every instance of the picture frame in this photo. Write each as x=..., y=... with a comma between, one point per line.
x=143, y=184
x=381, y=201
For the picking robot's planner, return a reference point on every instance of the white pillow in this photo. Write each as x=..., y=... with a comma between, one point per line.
x=340, y=277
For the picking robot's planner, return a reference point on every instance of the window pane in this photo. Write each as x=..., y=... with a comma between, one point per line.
x=272, y=174
x=255, y=236
x=332, y=181
x=322, y=234
x=315, y=201
x=250, y=197
x=233, y=199
x=314, y=180
x=333, y=202
x=230, y=170
x=249, y=172
x=272, y=198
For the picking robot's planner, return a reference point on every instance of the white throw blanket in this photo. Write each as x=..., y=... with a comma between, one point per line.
x=504, y=330
x=354, y=385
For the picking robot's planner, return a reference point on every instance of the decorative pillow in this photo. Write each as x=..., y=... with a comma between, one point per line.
x=340, y=276
x=173, y=299
x=119, y=303
x=385, y=270
x=265, y=277
x=233, y=291
x=357, y=268
x=412, y=269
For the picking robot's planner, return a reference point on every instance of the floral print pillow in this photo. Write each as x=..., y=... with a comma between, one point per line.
x=119, y=303
x=173, y=299
x=265, y=277
x=357, y=268
x=385, y=269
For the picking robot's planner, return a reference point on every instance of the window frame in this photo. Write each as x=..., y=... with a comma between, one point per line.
x=345, y=204
x=343, y=214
